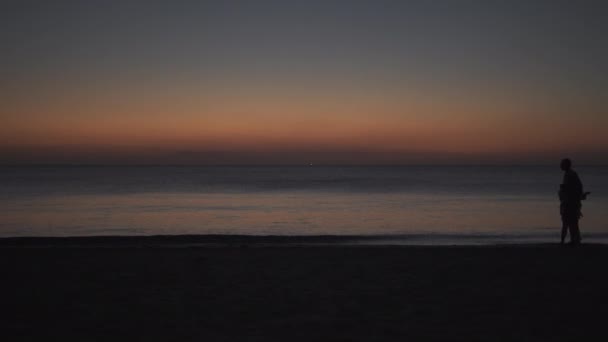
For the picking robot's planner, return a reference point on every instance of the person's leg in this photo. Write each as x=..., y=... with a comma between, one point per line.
x=575, y=234
x=564, y=217
x=564, y=232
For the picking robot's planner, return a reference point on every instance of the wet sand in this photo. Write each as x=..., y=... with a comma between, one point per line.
x=110, y=289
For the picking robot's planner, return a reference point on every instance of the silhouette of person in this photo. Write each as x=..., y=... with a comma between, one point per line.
x=570, y=196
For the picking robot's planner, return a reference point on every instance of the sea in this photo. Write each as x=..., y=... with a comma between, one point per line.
x=425, y=205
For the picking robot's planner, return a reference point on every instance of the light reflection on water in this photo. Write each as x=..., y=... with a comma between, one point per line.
x=426, y=204
x=288, y=213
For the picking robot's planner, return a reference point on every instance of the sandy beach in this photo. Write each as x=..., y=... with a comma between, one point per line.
x=91, y=289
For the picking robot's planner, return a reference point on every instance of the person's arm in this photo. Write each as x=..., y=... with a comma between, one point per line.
x=584, y=193
x=577, y=186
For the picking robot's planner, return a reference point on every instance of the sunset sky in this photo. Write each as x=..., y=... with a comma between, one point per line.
x=299, y=82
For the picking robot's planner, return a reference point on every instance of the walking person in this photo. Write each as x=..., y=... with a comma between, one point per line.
x=570, y=196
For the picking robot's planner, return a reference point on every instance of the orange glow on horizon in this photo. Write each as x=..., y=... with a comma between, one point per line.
x=313, y=124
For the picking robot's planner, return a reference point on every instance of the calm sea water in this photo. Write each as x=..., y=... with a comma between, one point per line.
x=410, y=204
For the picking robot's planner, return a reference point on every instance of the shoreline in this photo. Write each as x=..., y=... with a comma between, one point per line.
x=221, y=240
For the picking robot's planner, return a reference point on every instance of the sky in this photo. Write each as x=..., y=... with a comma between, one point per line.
x=300, y=82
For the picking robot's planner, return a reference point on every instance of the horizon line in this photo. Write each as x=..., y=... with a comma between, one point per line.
x=281, y=165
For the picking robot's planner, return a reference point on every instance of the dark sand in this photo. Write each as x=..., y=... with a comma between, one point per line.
x=113, y=290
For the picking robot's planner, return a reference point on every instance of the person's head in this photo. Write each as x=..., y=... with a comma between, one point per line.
x=566, y=164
